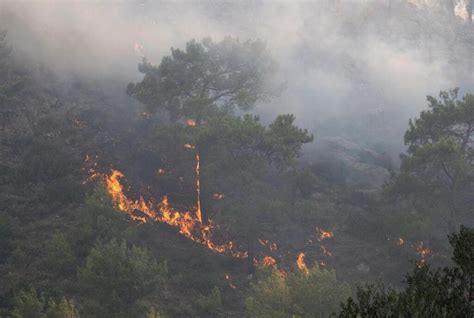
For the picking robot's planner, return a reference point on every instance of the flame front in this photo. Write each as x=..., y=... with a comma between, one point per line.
x=301, y=263
x=189, y=224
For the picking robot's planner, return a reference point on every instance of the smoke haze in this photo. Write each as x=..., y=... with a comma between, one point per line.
x=357, y=69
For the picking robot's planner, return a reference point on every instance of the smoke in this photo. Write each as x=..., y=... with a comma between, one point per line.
x=358, y=69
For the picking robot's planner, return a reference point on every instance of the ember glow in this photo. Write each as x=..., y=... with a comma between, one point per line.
x=190, y=122
x=300, y=262
x=188, y=146
x=322, y=234
x=218, y=196
x=229, y=281
x=271, y=245
x=268, y=261
x=325, y=251
x=424, y=253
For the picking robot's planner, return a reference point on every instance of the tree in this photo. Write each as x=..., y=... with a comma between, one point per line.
x=6, y=237
x=211, y=304
x=98, y=220
x=239, y=158
x=60, y=258
x=193, y=83
x=269, y=297
x=11, y=81
x=439, y=164
x=463, y=256
x=443, y=292
x=313, y=294
x=28, y=304
x=118, y=279
x=64, y=308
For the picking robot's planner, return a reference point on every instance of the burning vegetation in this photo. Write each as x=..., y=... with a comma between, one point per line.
x=209, y=169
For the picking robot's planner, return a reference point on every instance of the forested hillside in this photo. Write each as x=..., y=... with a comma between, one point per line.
x=172, y=197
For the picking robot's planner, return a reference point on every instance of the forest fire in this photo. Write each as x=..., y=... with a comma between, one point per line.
x=271, y=245
x=229, y=281
x=322, y=235
x=268, y=261
x=423, y=251
x=188, y=146
x=300, y=262
x=190, y=122
x=189, y=224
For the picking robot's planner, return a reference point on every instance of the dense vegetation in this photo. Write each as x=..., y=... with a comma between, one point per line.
x=67, y=249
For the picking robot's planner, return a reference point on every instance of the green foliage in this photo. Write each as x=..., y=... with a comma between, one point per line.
x=192, y=83
x=60, y=257
x=210, y=304
x=463, y=256
x=10, y=81
x=100, y=221
x=270, y=297
x=429, y=293
x=437, y=167
x=28, y=304
x=316, y=294
x=118, y=279
x=46, y=166
x=6, y=237
x=247, y=141
x=62, y=309
x=152, y=313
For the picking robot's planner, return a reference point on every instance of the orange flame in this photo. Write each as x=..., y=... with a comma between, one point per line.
x=424, y=253
x=268, y=261
x=188, y=146
x=190, y=122
x=400, y=241
x=272, y=246
x=189, y=224
x=229, y=281
x=322, y=235
x=301, y=263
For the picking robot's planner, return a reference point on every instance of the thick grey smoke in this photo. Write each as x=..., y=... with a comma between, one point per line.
x=354, y=68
